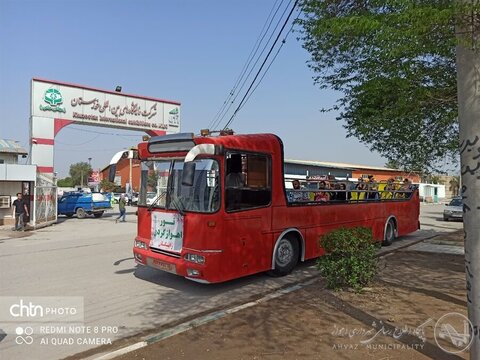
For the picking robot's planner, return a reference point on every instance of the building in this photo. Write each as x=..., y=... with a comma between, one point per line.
x=122, y=174
x=14, y=178
x=452, y=185
x=303, y=168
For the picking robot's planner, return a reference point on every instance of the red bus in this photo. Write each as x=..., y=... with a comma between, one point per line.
x=215, y=208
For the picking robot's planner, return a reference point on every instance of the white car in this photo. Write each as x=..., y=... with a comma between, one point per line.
x=134, y=198
x=454, y=210
x=151, y=196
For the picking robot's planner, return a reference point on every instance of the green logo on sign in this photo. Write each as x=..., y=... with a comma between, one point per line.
x=54, y=99
x=173, y=112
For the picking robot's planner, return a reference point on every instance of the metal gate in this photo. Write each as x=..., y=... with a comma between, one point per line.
x=45, y=202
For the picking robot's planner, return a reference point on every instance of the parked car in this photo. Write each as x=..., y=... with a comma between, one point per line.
x=83, y=204
x=453, y=210
x=134, y=198
x=151, y=197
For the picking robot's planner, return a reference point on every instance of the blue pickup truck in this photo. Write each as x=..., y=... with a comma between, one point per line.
x=82, y=204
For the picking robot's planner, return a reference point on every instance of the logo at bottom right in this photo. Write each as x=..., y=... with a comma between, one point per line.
x=453, y=333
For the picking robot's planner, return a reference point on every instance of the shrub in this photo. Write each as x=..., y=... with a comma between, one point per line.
x=350, y=258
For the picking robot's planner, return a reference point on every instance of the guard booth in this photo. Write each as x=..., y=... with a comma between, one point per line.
x=15, y=178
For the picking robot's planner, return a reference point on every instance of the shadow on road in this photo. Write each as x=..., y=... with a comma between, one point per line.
x=186, y=286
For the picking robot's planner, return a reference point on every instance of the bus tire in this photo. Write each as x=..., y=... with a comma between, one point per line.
x=389, y=233
x=286, y=256
x=80, y=213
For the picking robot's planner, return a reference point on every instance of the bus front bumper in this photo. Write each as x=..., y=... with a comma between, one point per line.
x=180, y=266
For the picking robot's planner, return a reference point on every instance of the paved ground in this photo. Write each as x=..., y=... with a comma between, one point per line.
x=431, y=218
x=395, y=318
x=92, y=258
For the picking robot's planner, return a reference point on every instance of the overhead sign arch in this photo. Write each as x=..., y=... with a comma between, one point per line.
x=55, y=105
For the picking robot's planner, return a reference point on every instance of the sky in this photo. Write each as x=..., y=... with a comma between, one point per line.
x=185, y=50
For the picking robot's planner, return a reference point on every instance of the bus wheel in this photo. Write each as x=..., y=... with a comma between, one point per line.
x=286, y=256
x=80, y=213
x=389, y=233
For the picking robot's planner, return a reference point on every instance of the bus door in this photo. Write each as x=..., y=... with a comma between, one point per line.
x=248, y=195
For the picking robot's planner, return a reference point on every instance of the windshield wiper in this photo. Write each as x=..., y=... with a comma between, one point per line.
x=157, y=200
x=178, y=205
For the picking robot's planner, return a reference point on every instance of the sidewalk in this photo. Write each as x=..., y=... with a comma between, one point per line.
x=6, y=233
x=393, y=319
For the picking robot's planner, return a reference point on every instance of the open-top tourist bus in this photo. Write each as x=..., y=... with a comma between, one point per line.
x=221, y=208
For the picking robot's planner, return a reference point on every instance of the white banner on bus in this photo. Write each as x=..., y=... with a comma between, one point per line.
x=167, y=231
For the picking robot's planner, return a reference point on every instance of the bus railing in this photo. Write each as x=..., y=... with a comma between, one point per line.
x=310, y=194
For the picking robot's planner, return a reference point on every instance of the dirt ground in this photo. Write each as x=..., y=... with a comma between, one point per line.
x=395, y=318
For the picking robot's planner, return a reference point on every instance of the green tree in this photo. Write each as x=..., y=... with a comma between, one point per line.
x=152, y=181
x=108, y=186
x=433, y=179
x=79, y=173
x=392, y=164
x=394, y=63
x=66, y=182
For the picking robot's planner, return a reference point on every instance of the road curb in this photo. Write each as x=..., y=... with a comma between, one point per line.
x=388, y=251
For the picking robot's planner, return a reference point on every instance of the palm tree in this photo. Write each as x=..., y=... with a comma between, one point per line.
x=454, y=185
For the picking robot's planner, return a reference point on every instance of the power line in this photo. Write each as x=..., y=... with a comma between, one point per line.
x=99, y=132
x=256, y=62
x=90, y=150
x=83, y=143
x=271, y=62
x=261, y=67
x=252, y=54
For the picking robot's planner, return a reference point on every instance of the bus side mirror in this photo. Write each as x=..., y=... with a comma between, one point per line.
x=188, y=173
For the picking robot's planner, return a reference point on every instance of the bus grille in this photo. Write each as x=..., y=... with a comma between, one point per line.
x=167, y=253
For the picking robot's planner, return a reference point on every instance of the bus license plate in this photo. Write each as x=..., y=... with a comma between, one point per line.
x=160, y=265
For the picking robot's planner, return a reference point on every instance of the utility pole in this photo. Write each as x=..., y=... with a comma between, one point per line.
x=468, y=83
x=90, y=167
x=130, y=176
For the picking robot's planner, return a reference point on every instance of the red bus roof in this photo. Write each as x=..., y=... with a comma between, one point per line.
x=266, y=143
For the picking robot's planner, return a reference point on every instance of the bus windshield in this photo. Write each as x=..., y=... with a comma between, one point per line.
x=161, y=186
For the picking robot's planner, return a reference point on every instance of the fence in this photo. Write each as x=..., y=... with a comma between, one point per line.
x=45, y=202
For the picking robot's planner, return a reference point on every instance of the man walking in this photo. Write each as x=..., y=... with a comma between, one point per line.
x=121, y=207
x=20, y=210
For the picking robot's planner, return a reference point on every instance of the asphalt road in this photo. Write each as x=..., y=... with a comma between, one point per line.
x=92, y=259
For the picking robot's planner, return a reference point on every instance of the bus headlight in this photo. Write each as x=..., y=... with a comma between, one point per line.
x=197, y=259
x=140, y=245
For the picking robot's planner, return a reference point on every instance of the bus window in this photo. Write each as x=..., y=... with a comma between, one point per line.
x=247, y=181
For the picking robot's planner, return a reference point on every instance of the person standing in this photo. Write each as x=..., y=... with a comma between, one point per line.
x=21, y=210
x=121, y=207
